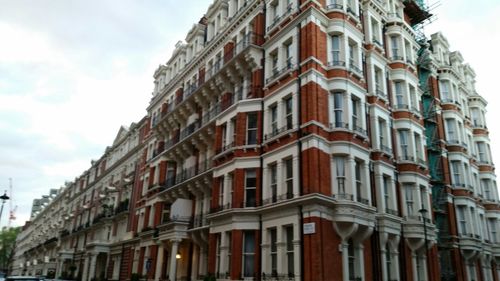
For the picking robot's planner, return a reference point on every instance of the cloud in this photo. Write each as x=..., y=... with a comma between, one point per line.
x=75, y=72
x=474, y=30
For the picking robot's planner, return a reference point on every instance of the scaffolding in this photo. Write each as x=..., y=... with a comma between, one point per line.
x=435, y=155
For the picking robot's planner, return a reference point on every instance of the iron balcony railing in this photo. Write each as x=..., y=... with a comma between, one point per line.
x=247, y=40
x=386, y=149
x=277, y=131
x=278, y=72
x=335, y=6
x=277, y=198
x=392, y=212
x=186, y=174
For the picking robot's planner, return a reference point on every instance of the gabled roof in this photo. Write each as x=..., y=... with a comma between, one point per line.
x=122, y=133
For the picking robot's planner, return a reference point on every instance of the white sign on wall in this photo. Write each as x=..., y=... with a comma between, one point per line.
x=309, y=228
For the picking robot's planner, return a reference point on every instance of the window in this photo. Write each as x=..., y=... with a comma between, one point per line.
x=403, y=142
x=340, y=174
x=250, y=188
x=414, y=99
x=351, y=7
x=336, y=50
x=356, y=108
x=481, y=149
x=221, y=190
x=353, y=56
x=375, y=32
x=289, y=250
x=224, y=136
x=408, y=188
x=444, y=86
x=457, y=172
x=273, y=111
x=335, y=4
x=424, y=198
x=248, y=253
x=462, y=223
x=288, y=54
x=252, y=128
x=382, y=131
x=486, y=188
x=475, y=117
x=338, y=110
x=395, y=48
x=274, y=63
x=273, y=251
x=274, y=10
x=289, y=177
x=493, y=229
x=386, y=181
x=289, y=113
x=359, y=182
x=400, y=98
x=379, y=82
x=230, y=180
x=409, y=56
x=273, y=180
x=450, y=125
x=418, y=147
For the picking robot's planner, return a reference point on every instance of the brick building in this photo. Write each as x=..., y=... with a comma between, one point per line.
x=294, y=140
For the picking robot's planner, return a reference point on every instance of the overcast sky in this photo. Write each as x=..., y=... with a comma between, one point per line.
x=72, y=72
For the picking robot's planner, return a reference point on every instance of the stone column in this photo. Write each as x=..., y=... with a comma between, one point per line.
x=159, y=261
x=92, y=267
x=414, y=265
x=424, y=267
x=173, y=261
x=360, y=260
x=59, y=265
x=383, y=259
x=202, y=267
x=85, y=269
x=345, y=261
x=195, y=261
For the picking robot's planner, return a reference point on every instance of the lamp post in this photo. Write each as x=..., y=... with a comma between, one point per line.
x=4, y=198
x=423, y=212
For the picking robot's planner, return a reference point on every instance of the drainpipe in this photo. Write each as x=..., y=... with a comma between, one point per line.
x=299, y=154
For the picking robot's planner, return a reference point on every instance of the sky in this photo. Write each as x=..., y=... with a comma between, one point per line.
x=72, y=72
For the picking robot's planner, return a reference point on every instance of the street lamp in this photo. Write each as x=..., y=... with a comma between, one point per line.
x=423, y=212
x=4, y=198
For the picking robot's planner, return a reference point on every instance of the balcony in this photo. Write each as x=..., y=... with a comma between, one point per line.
x=278, y=19
x=278, y=73
x=386, y=149
x=208, y=117
x=377, y=43
x=277, y=198
x=238, y=55
x=391, y=212
x=401, y=106
x=354, y=68
x=416, y=229
x=186, y=174
x=199, y=221
x=359, y=130
x=339, y=126
x=277, y=131
x=350, y=197
x=336, y=63
x=380, y=93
